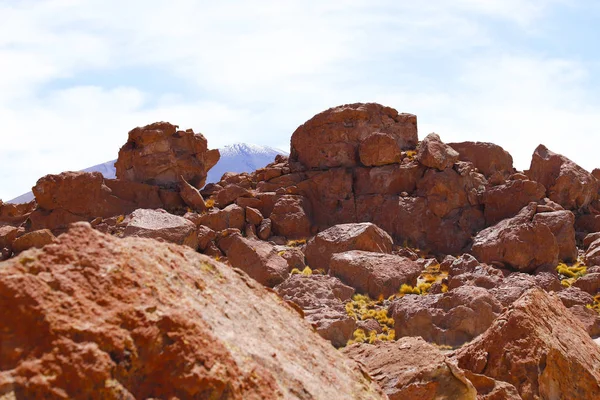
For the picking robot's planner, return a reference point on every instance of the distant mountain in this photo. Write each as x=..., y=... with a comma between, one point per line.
x=238, y=157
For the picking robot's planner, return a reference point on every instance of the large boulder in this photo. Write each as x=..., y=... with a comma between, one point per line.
x=159, y=224
x=332, y=138
x=566, y=182
x=345, y=237
x=561, y=224
x=374, y=273
x=540, y=348
x=433, y=153
x=258, y=259
x=379, y=149
x=506, y=200
x=520, y=242
x=291, y=217
x=232, y=216
x=109, y=318
x=488, y=158
x=159, y=153
x=412, y=369
x=321, y=298
x=452, y=318
x=388, y=179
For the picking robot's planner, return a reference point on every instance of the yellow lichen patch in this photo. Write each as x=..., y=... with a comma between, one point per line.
x=363, y=308
x=307, y=271
x=596, y=305
x=281, y=253
x=120, y=219
x=431, y=274
x=295, y=271
x=296, y=243
x=568, y=274
x=411, y=154
x=210, y=203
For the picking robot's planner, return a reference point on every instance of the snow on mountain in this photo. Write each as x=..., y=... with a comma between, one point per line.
x=238, y=157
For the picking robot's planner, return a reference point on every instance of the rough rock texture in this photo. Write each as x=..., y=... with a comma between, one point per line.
x=157, y=224
x=159, y=153
x=491, y=389
x=374, y=273
x=379, y=149
x=433, y=153
x=540, y=348
x=451, y=318
x=412, y=369
x=332, y=138
x=291, y=217
x=561, y=224
x=37, y=239
x=346, y=237
x=97, y=317
x=232, y=216
x=589, y=283
x=257, y=258
x=566, y=182
x=506, y=200
x=388, y=179
x=488, y=158
x=321, y=298
x=592, y=254
x=191, y=196
x=520, y=242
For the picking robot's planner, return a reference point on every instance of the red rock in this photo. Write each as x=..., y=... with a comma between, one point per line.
x=206, y=236
x=587, y=223
x=253, y=216
x=389, y=179
x=264, y=229
x=561, y=224
x=519, y=242
x=232, y=216
x=481, y=275
x=159, y=154
x=257, y=258
x=548, y=281
x=379, y=149
x=369, y=325
x=590, y=238
x=8, y=234
x=512, y=288
x=37, y=239
x=491, y=389
x=488, y=158
x=159, y=224
x=138, y=194
x=412, y=369
x=229, y=194
x=589, y=318
x=452, y=318
x=445, y=191
x=433, y=153
x=191, y=196
x=15, y=214
x=291, y=217
x=106, y=318
x=589, y=283
x=346, y=237
x=321, y=298
x=375, y=274
x=54, y=220
x=171, y=199
x=293, y=255
x=574, y=296
x=566, y=182
x=331, y=196
x=592, y=254
x=506, y=200
x=331, y=138
x=540, y=348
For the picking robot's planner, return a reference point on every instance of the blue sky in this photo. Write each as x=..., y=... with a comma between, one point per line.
x=76, y=76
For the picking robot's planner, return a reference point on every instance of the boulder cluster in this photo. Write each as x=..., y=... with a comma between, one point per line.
x=367, y=265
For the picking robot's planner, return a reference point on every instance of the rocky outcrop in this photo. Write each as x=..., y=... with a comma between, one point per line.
x=490, y=159
x=520, y=242
x=375, y=274
x=159, y=153
x=561, y=224
x=451, y=318
x=321, y=298
x=332, y=138
x=97, y=317
x=433, y=153
x=159, y=224
x=566, y=182
x=506, y=200
x=540, y=348
x=379, y=149
x=257, y=258
x=411, y=369
x=346, y=237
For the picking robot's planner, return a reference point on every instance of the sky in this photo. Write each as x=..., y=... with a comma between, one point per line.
x=76, y=76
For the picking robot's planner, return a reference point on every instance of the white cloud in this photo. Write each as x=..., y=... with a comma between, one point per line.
x=253, y=71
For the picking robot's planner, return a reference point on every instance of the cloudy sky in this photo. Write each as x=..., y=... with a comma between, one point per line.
x=77, y=75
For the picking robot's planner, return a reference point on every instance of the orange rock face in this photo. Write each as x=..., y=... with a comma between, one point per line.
x=96, y=317
x=158, y=154
x=540, y=348
x=332, y=138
